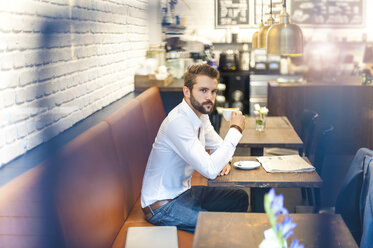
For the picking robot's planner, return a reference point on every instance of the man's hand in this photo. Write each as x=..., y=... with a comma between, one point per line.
x=238, y=119
x=225, y=170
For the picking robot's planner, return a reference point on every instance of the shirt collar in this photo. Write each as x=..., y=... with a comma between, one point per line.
x=196, y=122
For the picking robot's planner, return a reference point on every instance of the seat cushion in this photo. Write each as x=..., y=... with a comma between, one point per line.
x=136, y=218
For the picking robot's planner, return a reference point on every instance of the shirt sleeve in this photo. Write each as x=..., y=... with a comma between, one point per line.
x=186, y=144
x=213, y=140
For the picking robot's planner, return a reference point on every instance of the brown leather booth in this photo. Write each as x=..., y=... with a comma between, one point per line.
x=88, y=194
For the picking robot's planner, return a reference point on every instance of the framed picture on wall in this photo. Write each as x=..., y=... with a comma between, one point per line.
x=230, y=13
x=328, y=13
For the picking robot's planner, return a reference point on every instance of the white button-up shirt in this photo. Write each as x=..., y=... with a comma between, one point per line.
x=177, y=152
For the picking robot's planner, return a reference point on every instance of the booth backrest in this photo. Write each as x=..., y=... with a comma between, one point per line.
x=90, y=189
x=128, y=131
x=153, y=110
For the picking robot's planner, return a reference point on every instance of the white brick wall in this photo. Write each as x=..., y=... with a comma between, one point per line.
x=62, y=60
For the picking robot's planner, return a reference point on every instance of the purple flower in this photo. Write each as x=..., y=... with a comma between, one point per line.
x=287, y=227
x=274, y=206
x=295, y=244
x=277, y=203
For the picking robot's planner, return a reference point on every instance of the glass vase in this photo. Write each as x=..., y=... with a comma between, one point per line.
x=260, y=122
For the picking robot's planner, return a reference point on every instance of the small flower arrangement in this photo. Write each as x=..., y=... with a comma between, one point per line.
x=260, y=110
x=276, y=236
x=260, y=113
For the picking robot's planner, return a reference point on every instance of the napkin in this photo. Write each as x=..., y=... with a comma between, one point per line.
x=288, y=163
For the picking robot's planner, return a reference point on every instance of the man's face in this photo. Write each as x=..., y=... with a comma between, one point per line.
x=202, y=96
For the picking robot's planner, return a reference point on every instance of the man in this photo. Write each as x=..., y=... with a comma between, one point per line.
x=167, y=197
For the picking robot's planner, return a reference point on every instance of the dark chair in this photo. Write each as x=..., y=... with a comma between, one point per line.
x=308, y=119
x=366, y=205
x=316, y=152
x=308, y=123
x=319, y=144
x=349, y=201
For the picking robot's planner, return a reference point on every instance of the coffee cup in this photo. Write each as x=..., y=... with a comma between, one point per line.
x=227, y=113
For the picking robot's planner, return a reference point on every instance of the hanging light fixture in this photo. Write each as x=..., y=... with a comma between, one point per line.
x=262, y=35
x=255, y=35
x=285, y=38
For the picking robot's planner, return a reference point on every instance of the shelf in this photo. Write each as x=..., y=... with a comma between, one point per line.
x=173, y=29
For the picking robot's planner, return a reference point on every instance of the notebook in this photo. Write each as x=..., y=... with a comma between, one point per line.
x=152, y=236
x=288, y=163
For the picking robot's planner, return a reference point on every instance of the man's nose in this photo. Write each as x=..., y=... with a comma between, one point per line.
x=210, y=96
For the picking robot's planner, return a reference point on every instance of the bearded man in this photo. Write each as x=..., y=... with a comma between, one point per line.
x=167, y=197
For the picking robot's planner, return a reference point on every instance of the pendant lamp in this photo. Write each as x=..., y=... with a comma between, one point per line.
x=285, y=38
x=256, y=34
x=262, y=35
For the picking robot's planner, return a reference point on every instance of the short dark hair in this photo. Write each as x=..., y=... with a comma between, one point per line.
x=195, y=70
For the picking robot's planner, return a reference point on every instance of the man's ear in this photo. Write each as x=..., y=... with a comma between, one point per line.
x=186, y=92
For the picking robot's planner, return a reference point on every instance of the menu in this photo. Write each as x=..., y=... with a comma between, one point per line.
x=232, y=12
x=342, y=13
x=276, y=10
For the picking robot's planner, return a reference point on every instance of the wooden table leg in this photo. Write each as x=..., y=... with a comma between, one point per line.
x=257, y=199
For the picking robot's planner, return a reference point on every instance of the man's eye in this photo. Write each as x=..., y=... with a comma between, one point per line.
x=204, y=90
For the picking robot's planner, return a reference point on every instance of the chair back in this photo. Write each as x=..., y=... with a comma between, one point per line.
x=366, y=204
x=348, y=200
x=320, y=143
x=308, y=119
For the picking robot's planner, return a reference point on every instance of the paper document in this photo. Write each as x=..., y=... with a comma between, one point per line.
x=287, y=163
x=152, y=236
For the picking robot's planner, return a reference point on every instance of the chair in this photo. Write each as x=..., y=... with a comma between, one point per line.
x=308, y=119
x=316, y=152
x=366, y=205
x=318, y=144
x=349, y=198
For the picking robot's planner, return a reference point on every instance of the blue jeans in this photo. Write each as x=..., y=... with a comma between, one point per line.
x=182, y=211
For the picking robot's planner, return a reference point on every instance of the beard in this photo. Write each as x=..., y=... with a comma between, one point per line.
x=203, y=108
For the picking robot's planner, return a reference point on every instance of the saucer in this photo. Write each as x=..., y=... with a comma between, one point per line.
x=246, y=164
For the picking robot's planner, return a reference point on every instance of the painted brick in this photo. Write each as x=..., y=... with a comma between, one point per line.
x=20, y=95
x=10, y=134
x=2, y=137
x=30, y=126
x=27, y=76
x=12, y=151
x=57, y=70
x=8, y=97
x=21, y=130
x=6, y=61
x=34, y=140
x=17, y=114
x=9, y=79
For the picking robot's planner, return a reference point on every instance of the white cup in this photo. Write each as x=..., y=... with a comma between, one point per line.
x=227, y=113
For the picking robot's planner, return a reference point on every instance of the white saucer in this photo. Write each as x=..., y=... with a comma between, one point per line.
x=246, y=164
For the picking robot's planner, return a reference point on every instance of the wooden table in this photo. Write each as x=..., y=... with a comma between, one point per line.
x=278, y=133
x=234, y=230
x=258, y=178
